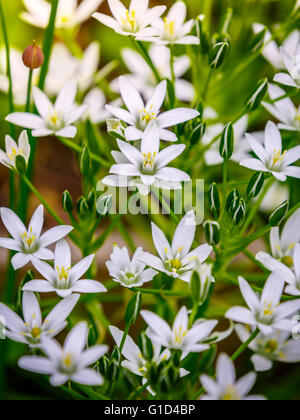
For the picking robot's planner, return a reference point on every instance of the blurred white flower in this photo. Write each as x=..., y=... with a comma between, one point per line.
x=226, y=387
x=63, y=278
x=134, y=21
x=69, y=13
x=30, y=243
x=284, y=110
x=67, y=363
x=179, y=337
x=265, y=312
x=177, y=260
x=142, y=76
x=148, y=166
x=96, y=101
x=13, y=149
x=129, y=273
x=272, y=158
x=140, y=115
x=277, y=194
x=271, y=50
x=272, y=348
x=33, y=329
x=292, y=64
x=173, y=29
x=55, y=119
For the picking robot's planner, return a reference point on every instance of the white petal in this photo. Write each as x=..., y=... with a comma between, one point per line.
x=13, y=223
x=36, y=364
x=25, y=120
x=54, y=235
x=40, y=286
x=176, y=116
x=20, y=260
x=80, y=268
x=31, y=309
x=76, y=339
x=88, y=377
x=88, y=286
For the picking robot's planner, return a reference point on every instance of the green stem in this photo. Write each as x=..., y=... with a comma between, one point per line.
x=245, y=345
x=29, y=86
x=206, y=87
x=161, y=292
x=71, y=145
x=126, y=332
x=172, y=62
x=136, y=393
x=143, y=51
x=225, y=179
x=193, y=314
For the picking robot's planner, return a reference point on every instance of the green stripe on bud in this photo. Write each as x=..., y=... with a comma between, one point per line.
x=214, y=201
x=218, y=54
x=67, y=202
x=227, y=142
x=279, y=214
x=197, y=133
x=104, y=204
x=85, y=162
x=212, y=232
x=258, y=41
x=21, y=164
x=258, y=95
x=239, y=213
x=233, y=200
x=255, y=185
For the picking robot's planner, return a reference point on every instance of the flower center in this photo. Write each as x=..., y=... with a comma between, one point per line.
x=271, y=346
x=269, y=310
x=36, y=332
x=63, y=276
x=130, y=21
x=68, y=365
x=147, y=116
x=180, y=334
x=231, y=394
x=55, y=121
x=278, y=159
x=149, y=161
x=288, y=261
x=169, y=27
x=14, y=153
x=28, y=238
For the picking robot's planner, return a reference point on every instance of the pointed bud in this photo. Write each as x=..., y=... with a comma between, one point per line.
x=195, y=286
x=197, y=134
x=21, y=164
x=146, y=345
x=82, y=208
x=258, y=41
x=258, y=95
x=116, y=355
x=104, y=204
x=202, y=35
x=214, y=200
x=279, y=214
x=212, y=232
x=255, y=185
x=227, y=142
x=85, y=162
x=239, y=213
x=133, y=309
x=67, y=202
x=218, y=54
x=232, y=200
x=33, y=57
x=92, y=198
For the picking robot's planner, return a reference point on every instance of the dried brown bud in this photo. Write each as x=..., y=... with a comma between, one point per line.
x=33, y=56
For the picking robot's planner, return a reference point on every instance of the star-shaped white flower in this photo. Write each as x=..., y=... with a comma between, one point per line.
x=276, y=347
x=177, y=260
x=226, y=387
x=284, y=110
x=148, y=166
x=33, y=329
x=265, y=312
x=69, y=13
x=173, y=29
x=139, y=114
x=70, y=362
x=30, y=243
x=142, y=76
x=292, y=64
x=179, y=337
x=133, y=21
x=129, y=273
x=13, y=149
x=272, y=158
x=96, y=101
x=55, y=119
x=63, y=278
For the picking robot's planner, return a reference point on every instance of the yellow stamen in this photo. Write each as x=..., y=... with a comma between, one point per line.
x=169, y=26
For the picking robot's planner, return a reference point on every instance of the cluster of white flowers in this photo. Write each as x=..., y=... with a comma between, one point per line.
x=143, y=121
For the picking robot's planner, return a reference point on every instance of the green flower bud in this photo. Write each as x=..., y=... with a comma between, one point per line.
x=197, y=133
x=115, y=128
x=239, y=213
x=258, y=95
x=67, y=202
x=85, y=162
x=203, y=279
x=113, y=371
x=82, y=208
x=218, y=54
x=227, y=142
x=212, y=232
x=279, y=214
x=214, y=200
x=232, y=200
x=92, y=198
x=255, y=185
x=104, y=363
x=146, y=345
x=21, y=164
x=104, y=204
x=133, y=309
x=116, y=355
x=202, y=35
x=195, y=286
x=258, y=41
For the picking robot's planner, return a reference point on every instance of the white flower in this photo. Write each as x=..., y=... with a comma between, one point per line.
x=130, y=273
x=206, y=280
x=265, y=312
x=30, y=243
x=67, y=363
x=177, y=260
x=272, y=158
x=277, y=194
x=272, y=348
x=292, y=64
x=69, y=13
x=226, y=387
x=64, y=67
x=241, y=147
x=140, y=115
x=13, y=149
x=271, y=50
x=53, y=119
x=149, y=164
x=142, y=76
x=134, y=21
x=173, y=29
x=63, y=278
x=33, y=329
x=96, y=101
x=284, y=110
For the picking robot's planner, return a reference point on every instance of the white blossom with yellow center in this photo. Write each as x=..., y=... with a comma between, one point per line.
x=70, y=362
x=134, y=21
x=33, y=330
x=13, y=149
x=292, y=64
x=265, y=312
x=271, y=157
